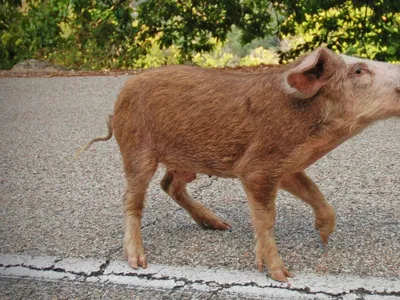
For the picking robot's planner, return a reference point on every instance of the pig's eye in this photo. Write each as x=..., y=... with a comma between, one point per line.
x=359, y=70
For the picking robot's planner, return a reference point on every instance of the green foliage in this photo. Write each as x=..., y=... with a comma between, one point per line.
x=368, y=29
x=110, y=34
x=8, y=11
x=9, y=33
x=85, y=34
x=217, y=58
x=190, y=24
x=234, y=43
x=156, y=57
x=227, y=55
x=260, y=56
x=365, y=28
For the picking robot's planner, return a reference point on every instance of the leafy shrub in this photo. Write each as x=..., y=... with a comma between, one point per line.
x=217, y=58
x=82, y=34
x=260, y=56
x=156, y=57
x=368, y=29
x=113, y=34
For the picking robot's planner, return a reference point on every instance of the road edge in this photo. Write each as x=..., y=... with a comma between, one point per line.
x=163, y=277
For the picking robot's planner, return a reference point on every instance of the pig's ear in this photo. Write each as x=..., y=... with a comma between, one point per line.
x=306, y=79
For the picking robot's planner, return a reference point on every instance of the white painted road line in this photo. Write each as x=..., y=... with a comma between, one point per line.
x=100, y=271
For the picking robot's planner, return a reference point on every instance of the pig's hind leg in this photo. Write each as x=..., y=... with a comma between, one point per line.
x=138, y=173
x=300, y=185
x=174, y=184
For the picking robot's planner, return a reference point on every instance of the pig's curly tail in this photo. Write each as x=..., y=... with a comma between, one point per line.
x=99, y=138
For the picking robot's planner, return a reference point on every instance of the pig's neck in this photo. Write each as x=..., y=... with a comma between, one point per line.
x=339, y=130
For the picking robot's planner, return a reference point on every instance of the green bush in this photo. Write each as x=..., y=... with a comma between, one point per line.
x=367, y=29
x=81, y=34
x=156, y=57
x=113, y=34
x=219, y=57
x=260, y=56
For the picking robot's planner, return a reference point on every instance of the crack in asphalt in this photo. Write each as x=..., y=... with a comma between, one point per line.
x=214, y=293
x=219, y=287
x=204, y=186
x=213, y=285
x=53, y=268
x=101, y=270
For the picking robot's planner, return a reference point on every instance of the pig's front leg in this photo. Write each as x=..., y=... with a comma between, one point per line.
x=261, y=193
x=300, y=185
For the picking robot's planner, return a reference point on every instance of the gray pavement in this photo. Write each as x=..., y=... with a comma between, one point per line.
x=54, y=206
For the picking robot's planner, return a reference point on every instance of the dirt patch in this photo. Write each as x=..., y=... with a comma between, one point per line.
x=7, y=73
x=71, y=73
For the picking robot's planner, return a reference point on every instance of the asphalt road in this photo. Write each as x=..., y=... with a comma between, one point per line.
x=54, y=206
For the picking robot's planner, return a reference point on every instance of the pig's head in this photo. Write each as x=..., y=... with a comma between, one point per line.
x=356, y=90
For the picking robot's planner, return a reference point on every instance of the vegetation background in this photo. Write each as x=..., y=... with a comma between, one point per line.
x=126, y=34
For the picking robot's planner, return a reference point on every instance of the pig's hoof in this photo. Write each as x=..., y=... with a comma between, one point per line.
x=325, y=223
x=135, y=262
x=324, y=233
x=324, y=237
x=208, y=219
x=135, y=257
x=216, y=224
x=276, y=267
x=280, y=274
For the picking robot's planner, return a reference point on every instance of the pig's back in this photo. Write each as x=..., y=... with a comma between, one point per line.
x=198, y=117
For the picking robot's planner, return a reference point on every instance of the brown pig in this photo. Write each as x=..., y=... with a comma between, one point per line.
x=263, y=128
